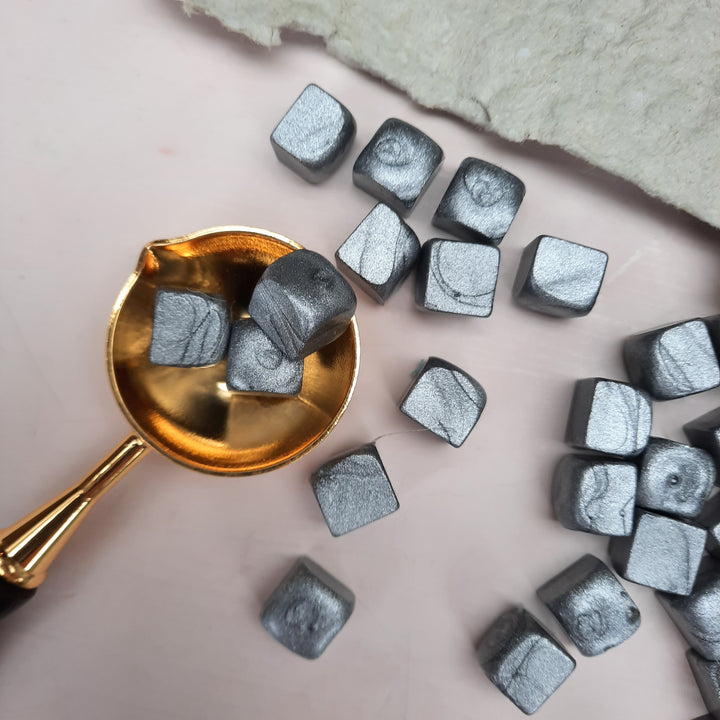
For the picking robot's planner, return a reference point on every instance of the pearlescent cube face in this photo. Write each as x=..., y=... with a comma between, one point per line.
x=457, y=277
x=672, y=361
x=190, y=329
x=595, y=495
x=559, y=278
x=674, y=478
x=302, y=303
x=380, y=253
x=523, y=660
x=397, y=165
x=307, y=609
x=354, y=490
x=314, y=135
x=591, y=605
x=704, y=432
x=480, y=202
x=662, y=553
x=445, y=400
x=697, y=616
x=256, y=364
x=609, y=417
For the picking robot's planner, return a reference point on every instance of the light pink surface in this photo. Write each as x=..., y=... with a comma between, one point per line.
x=125, y=122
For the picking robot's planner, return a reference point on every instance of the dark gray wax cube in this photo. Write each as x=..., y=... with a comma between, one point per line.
x=302, y=303
x=522, y=659
x=190, y=329
x=353, y=490
x=397, y=165
x=307, y=609
x=697, y=616
x=480, y=202
x=609, y=417
x=710, y=520
x=674, y=478
x=380, y=252
x=314, y=134
x=256, y=364
x=558, y=277
x=672, y=361
x=595, y=495
x=591, y=605
x=457, y=277
x=704, y=432
x=444, y=399
x=707, y=677
x=662, y=553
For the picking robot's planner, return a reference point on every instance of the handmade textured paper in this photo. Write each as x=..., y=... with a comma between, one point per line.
x=630, y=86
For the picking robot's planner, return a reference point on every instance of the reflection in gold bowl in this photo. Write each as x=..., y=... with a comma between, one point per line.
x=189, y=414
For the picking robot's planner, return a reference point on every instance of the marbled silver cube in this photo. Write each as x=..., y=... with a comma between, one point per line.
x=444, y=399
x=697, y=616
x=397, y=165
x=522, y=659
x=594, y=494
x=710, y=519
x=609, y=416
x=662, y=553
x=591, y=605
x=354, y=490
x=457, y=277
x=307, y=609
x=380, y=253
x=707, y=677
x=480, y=202
x=302, y=303
x=558, y=277
x=190, y=329
x=704, y=432
x=256, y=364
x=672, y=361
x=674, y=478
x=314, y=135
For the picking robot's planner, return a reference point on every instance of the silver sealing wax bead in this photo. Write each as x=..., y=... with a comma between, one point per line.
x=457, y=277
x=609, y=417
x=445, y=400
x=190, y=329
x=314, y=134
x=595, y=494
x=662, y=553
x=307, y=609
x=480, y=202
x=522, y=659
x=380, y=253
x=558, y=277
x=672, y=361
x=302, y=303
x=591, y=605
x=256, y=364
x=397, y=165
x=354, y=490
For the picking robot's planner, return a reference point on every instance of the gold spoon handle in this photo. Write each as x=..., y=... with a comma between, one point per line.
x=28, y=547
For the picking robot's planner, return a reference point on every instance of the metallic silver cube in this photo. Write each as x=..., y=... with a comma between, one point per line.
x=457, y=277
x=480, y=202
x=314, y=135
x=397, y=165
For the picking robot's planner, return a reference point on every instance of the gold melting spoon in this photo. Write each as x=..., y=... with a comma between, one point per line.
x=187, y=414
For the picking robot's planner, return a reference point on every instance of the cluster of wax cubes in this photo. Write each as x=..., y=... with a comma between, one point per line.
x=651, y=495
x=457, y=276
x=300, y=304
